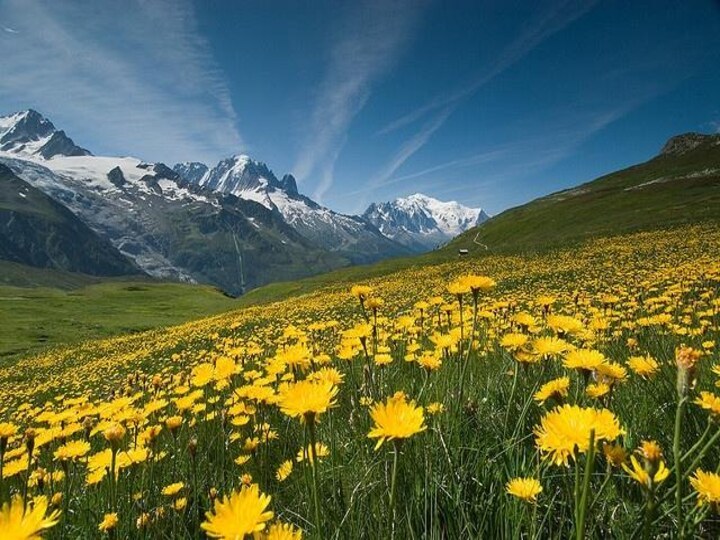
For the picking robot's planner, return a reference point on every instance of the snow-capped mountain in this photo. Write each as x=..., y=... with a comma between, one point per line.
x=421, y=222
x=235, y=225
x=245, y=178
x=29, y=134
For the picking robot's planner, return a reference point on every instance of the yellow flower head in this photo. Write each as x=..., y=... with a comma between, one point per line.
x=283, y=531
x=650, y=451
x=644, y=366
x=555, y=389
x=173, y=489
x=321, y=451
x=72, y=450
x=615, y=454
x=597, y=390
x=361, y=292
x=284, y=470
x=114, y=433
x=307, y=397
x=397, y=418
x=108, y=523
x=710, y=402
x=565, y=431
x=242, y=513
x=526, y=489
x=707, y=486
x=645, y=476
x=584, y=359
x=22, y=523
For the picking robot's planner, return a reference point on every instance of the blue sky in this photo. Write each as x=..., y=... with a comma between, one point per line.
x=491, y=103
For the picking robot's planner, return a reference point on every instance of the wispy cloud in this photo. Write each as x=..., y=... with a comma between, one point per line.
x=132, y=77
x=366, y=45
x=550, y=21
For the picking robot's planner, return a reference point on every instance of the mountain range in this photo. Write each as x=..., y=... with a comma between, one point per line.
x=234, y=225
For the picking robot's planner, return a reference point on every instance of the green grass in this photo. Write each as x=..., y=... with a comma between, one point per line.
x=40, y=317
x=667, y=191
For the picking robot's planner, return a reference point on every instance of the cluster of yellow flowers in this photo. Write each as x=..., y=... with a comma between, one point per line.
x=244, y=424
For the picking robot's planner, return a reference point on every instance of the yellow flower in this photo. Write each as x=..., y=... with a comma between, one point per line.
x=396, y=419
x=526, y=489
x=180, y=504
x=72, y=450
x=643, y=476
x=18, y=522
x=707, y=486
x=173, y=489
x=513, y=341
x=584, y=360
x=565, y=431
x=306, y=398
x=555, y=389
x=597, y=390
x=242, y=513
x=644, y=366
x=321, y=451
x=361, y=292
x=7, y=430
x=709, y=402
x=435, y=408
x=545, y=347
x=108, y=523
x=651, y=451
x=114, y=433
x=173, y=423
x=283, y=531
x=284, y=470
x=615, y=454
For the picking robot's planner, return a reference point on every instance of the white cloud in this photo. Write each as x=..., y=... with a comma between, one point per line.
x=132, y=77
x=367, y=43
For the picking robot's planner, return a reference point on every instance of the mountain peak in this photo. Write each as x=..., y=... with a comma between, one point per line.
x=687, y=142
x=422, y=222
x=28, y=133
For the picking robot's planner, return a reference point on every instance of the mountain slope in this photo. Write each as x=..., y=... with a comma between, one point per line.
x=422, y=223
x=38, y=231
x=681, y=185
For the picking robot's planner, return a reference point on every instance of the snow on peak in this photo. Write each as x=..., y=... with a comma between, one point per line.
x=420, y=221
x=30, y=134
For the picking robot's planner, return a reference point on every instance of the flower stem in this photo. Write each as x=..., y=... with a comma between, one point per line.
x=393, y=485
x=589, y=465
x=313, y=468
x=678, y=466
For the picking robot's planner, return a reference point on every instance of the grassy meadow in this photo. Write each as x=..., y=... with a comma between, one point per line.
x=566, y=394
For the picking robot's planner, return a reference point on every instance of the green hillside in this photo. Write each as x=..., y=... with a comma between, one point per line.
x=56, y=307
x=679, y=186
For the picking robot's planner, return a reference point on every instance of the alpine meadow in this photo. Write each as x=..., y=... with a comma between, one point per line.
x=198, y=347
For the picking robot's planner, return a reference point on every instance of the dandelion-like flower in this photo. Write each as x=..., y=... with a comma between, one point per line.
x=707, y=487
x=72, y=450
x=644, y=366
x=526, y=489
x=556, y=389
x=397, y=418
x=710, y=402
x=109, y=522
x=306, y=398
x=18, y=522
x=565, y=431
x=242, y=513
x=647, y=476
